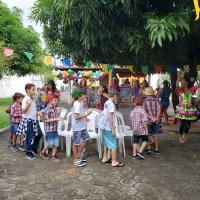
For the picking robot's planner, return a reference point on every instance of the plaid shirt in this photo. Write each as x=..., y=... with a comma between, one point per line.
x=50, y=113
x=151, y=106
x=137, y=117
x=23, y=127
x=16, y=113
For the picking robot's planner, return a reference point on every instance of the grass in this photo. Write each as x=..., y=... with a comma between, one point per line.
x=4, y=117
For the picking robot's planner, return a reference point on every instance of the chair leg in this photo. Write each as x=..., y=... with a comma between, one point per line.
x=61, y=143
x=124, y=150
x=68, y=146
x=99, y=148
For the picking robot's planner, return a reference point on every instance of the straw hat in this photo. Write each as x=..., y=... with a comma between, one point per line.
x=149, y=91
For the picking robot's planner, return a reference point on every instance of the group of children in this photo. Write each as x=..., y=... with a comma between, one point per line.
x=145, y=120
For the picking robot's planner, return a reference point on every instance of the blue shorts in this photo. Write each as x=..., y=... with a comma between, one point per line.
x=80, y=136
x=109, y=140
x=14, y=128
x=154, y=128
x=52, y=139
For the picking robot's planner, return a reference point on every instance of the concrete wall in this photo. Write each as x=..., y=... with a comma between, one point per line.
x=10, y=85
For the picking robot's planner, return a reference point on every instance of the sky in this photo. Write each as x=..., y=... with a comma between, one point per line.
x=25, y=5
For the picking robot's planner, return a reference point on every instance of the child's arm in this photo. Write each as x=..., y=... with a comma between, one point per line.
x=79, y=116
x=145, y=127
x=25, y=110
x=52, y=120
x=110, y=118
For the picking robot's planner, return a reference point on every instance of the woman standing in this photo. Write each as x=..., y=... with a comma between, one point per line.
x=102, y=97
x=115, y=86
x=164, y=95
x=185, y=111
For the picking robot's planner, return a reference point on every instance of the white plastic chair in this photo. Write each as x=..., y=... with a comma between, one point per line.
x=94, y=131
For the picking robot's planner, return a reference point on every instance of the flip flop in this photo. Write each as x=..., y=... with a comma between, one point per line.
x=108, y=161
x=118, y=165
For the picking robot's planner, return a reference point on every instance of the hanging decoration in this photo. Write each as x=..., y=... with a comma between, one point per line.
x=181, y=74
x=88, y=64
x=186, y=68
x=131, y=68
x=145, y=69
x=198, y=67
x=8, y=52
x=113, y=72
x=29, y=56
x=47, y=60
x=158, y=69
x=172, y=69
x=197, y=9
x=66, y=62
x=110, y=67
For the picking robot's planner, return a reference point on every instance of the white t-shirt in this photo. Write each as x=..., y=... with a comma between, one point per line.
x=31, y=113
x=109, y=107
x=81, y=124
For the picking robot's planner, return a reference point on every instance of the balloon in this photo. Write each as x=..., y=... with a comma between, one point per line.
x=47, y=60
x=8, y=52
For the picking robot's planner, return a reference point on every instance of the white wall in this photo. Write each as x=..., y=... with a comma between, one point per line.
x=10, y=85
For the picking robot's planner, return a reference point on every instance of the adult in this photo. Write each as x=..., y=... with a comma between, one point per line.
x=136, y=89
x=102, y=97
x=143, y=86
x=165, y=102
x=115, y=86
x=185, y=110
x=51, y=89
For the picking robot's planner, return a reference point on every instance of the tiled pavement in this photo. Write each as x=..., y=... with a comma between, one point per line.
x=174, y=175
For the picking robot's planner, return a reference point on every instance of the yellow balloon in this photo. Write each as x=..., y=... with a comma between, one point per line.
x=47, y=60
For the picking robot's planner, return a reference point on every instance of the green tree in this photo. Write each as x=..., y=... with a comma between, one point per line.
x=20, y=39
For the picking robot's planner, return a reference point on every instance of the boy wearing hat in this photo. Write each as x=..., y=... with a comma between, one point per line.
x=79, y=126
x=153, y=109
x=51, y=117
x=139, y=119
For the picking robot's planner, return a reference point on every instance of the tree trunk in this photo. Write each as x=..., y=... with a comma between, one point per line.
x=175, y=98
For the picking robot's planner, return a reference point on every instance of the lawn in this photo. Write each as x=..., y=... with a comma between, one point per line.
x=4, y=117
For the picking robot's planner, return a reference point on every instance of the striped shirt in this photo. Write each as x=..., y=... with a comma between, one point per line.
x=151, y=106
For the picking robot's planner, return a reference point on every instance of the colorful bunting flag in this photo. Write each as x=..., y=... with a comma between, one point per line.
x=172, y=69
x=131, y=68
x=88, y=64
x=158, y=69
x=66, y=62
x=197, y=9
x=29, y=56
x=110, y=67
x=47, y=60
x=145, y=69
x=104, y=66
x=8, y=52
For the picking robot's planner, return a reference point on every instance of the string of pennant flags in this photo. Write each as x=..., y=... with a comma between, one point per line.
x=101, y=69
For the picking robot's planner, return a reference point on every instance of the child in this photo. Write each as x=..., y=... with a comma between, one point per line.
x=185, y=110
x=164, y=95
x=139, y=119
x=79, y=127
x=108, y=126
x=28, y=126
x=16, y=116
x=153, y=109
x=51, y=117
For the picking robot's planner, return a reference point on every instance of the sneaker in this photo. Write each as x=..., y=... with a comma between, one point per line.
x=140, y=156
x=9, y=144
x=54, y=159
x=80, y=163
x=148, y=151
x=44, y=156
x=35, y=151
x=13, y=148
x=134, y=157
x=30, y=156
x=157, y=152
x=22, y=148
x=83, y=159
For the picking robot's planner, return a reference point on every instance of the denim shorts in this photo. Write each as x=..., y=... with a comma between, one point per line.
x=52, y=139
x=154, y=128
x=80, y=136
x=109, y=140
x=14, y=128
x=137, y=138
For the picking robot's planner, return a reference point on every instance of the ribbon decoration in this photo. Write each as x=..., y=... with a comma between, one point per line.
x=104, y=66
x=172, y=69
x=130, y=67
x=88, y=64
x=158, y=69
x=47, y=60
x=8, y=52
x=197, y=9
x=145, y=69
x=113, y=72
x=110, y=67
x=66, y=62
x=29, y=56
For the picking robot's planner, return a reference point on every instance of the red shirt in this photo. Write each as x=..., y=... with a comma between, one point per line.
x=16, y=113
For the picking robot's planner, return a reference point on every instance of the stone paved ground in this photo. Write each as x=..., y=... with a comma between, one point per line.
x=174, y=175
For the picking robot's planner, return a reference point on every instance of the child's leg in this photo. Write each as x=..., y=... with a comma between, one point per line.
x=54, y=151
x=166, y=115
x=106, y=157
x=134, y=149
x=114, y=155
x=156, y=140
x=14, y=139
x=186, y=130
x=29, y=134
x=144, y=143
x=136, y=140
x=75, y=151
x=181, y=130
x=81, y=148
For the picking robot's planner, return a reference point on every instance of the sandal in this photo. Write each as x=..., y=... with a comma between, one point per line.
x=108, y=161
x=118, y=165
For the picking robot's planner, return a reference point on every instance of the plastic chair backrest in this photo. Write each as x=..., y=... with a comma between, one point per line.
x=91, y=123
x=68, y=120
